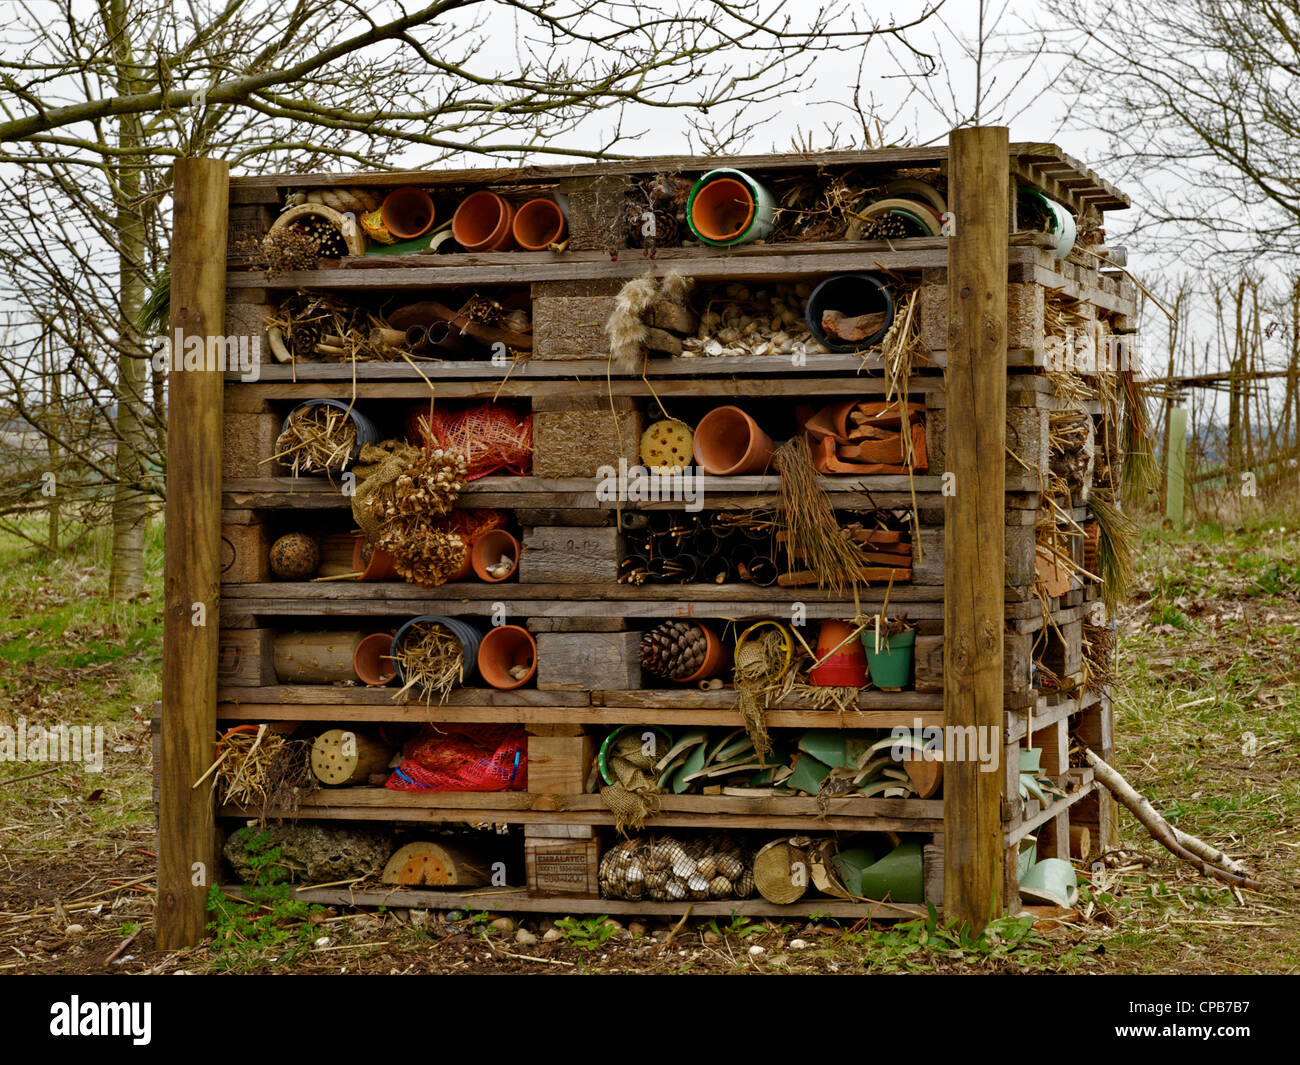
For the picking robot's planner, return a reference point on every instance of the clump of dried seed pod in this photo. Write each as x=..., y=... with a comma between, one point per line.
x=424, y=551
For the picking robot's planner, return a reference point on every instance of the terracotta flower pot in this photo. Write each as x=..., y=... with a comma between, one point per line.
x=407, y=213
x=728, y=207
x=538, y=224
x=715, y=661
x=505, y=647
x=728, y=442
x=482, y=222
x=379, y=568
x=488, y=549
x=847, y=666
x=370, y=659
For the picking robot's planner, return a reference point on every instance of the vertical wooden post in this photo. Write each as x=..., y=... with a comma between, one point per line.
x=974, y=521
x=186, y=834
x=1176, y=465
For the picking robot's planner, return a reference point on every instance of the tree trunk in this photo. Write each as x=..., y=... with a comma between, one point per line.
x=130, y=501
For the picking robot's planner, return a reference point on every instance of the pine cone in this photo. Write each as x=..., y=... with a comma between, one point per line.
x=675, y=649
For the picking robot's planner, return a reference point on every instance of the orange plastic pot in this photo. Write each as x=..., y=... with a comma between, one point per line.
x=722, y=210
x=371, y=661
x=488, y=549
x=504, y=648
x=379, y=568
x=728, y=442
x=407, y=212
x=847, y=666
x=482, y=222
x=716, y=657
x=538, y=224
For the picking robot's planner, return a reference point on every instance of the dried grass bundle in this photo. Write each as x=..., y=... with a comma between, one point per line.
x=813, y=534
x=260, y=769
x=1116, y=543
x=317, y=438
x=432, y=661
x=1098, y=656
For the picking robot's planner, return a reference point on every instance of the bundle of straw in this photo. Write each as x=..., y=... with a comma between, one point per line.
x=317, y=438
x=432, y=660
x=813, y=533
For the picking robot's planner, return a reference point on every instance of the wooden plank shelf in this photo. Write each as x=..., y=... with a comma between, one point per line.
x=517, y=900
x=780, y=812
x=1053, y=810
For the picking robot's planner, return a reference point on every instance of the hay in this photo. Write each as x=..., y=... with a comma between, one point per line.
x=317, y=438
x=813, y=534
x=1098, y=656
x=262, y=770
x=1116, y=544
x=432, y=661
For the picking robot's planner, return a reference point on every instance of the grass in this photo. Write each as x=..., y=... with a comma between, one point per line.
x=69, y=655
x=1207, y=723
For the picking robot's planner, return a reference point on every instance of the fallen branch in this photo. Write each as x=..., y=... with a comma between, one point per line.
x=1207, y=859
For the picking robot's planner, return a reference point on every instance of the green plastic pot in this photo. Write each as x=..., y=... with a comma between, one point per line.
x=899, y=876
x=891, y=667
x=1051, y=882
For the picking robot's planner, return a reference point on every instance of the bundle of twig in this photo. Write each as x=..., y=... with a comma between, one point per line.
x=1098, y=656
x=813, y=534
x=432, y=661
x=243, y=766
x=281, y=251
x=317, y=438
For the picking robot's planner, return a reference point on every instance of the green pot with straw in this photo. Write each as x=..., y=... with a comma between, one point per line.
x=890, y=667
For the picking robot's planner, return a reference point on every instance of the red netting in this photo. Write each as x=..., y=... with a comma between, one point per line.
x=464, y=758
x=471, y=522
x=492, y=436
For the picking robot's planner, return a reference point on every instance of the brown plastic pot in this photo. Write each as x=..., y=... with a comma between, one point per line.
x=728, y=442
x=503, y=648
x=407, y=212
x=722, y=210
x=482, y=222
x=715, y=658
x=538, y=224
x=379, y=568
x=371, y=661
x=487, y=549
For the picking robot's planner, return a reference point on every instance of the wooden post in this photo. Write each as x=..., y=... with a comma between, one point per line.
x=186, y=833
x=1176, y=464
x=974, y=522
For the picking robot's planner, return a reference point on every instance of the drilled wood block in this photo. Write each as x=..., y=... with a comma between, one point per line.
x=581, y=661
x=569, y=555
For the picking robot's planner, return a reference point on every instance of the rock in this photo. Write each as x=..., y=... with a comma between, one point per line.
x=525, y=937
x=502, y=924
x=455, y=915
x=799, y=944
x=312, y=853
x=367, y=925
x=756, y=950
x=637, y=928
x=551, y=935
x=324, y=941
x=74, y=930
x=712, y=937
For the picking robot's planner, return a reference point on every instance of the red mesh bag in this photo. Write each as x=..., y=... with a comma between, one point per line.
x=491, y=436
x=464, y=758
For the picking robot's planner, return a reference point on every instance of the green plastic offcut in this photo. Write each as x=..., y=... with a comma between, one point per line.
x=899, y=876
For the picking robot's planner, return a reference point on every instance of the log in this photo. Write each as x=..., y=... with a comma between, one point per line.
x=342, y=756
x=316, y=657
x=429, y=864
x=1080, y=842
x=781, y=872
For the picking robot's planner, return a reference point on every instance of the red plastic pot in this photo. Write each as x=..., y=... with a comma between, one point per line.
x=482, y=222
x=538, y=224
x=728, y=442
x=371, y=661
x=847, y=667
x=722, y=210
x=715, y=661
x=407, y=212
x=487, y=550
x=502, y=649
x=379, y=568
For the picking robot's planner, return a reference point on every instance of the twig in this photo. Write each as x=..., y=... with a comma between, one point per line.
x=31, y=776
x=122, y=946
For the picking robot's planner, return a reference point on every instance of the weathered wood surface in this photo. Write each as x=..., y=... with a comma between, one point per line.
x=579, y=661
x=191, y=581
x=975, y=527
x=569, y=555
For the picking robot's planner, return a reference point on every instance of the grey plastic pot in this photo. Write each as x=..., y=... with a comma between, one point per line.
x=367, y=431
x=468, y=636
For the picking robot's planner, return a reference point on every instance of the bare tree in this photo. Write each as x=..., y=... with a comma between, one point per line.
x=94, y=109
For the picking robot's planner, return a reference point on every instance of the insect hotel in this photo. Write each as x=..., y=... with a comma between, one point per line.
x=649, y=536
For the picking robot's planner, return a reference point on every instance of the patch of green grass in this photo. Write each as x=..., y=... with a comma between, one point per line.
x=589, y=933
